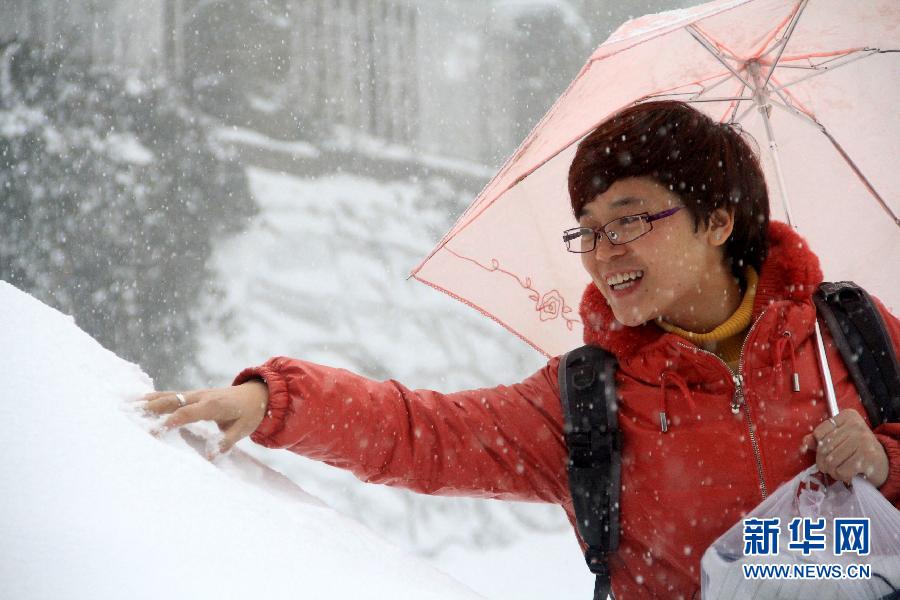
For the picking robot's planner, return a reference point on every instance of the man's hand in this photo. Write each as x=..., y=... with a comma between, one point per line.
x=237, y=410
x=845, y=447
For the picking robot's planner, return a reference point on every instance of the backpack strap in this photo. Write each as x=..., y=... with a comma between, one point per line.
x=587, y=391
x=860, y=334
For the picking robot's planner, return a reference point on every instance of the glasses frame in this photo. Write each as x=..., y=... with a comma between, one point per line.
x=575, y=232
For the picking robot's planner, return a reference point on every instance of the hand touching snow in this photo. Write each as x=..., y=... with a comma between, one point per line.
x=237, y=410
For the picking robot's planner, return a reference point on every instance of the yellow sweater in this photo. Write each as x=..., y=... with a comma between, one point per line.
x=726, y=339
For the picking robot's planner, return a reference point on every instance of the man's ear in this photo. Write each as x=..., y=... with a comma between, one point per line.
x=721, y=224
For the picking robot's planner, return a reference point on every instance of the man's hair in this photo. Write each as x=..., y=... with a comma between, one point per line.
x=707, y=164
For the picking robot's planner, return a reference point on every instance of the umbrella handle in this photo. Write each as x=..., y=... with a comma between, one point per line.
x=826, y=372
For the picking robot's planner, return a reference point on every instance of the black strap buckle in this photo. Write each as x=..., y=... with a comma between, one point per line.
x=589, y=449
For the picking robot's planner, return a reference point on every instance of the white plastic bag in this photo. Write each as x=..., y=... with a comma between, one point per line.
x=806, y=495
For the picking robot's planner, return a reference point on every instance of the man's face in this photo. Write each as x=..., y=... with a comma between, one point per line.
x=673, y=261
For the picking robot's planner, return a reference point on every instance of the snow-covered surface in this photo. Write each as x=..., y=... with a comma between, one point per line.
x=95, y=507
x=255, y=139
x=348, y=139
x=537, y=566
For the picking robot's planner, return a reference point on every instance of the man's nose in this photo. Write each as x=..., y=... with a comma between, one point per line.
x=605, y=250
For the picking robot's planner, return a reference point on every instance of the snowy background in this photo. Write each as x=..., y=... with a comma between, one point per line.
x=203, y=184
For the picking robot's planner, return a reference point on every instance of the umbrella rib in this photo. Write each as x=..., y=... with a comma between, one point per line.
x=720, y=47
x=800, y=67
x=760, y=54
x=716, y=54
x=816, y=66
x=719, y=79
x=736, y=106
x=723, y=99
x=792, y=110
x=859, y=174
x=821, y=69
x=724, y=79
x=784, y=99
x=743, y=114
x=785, y=39
x=693, y=95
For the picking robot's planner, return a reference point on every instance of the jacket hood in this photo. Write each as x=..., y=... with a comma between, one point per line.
x=790, y=272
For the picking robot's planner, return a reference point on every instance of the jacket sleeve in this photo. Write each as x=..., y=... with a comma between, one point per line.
x=889, y=433
x=503, y=442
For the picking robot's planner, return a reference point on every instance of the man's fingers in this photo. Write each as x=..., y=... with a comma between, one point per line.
x=835, y=456
x=841, y=424
x=849, y=416
x=163, y=403
x=224, y=406
x=156, y=395
x=850, y=466
x=832, y=450
x=824, y=428
x=809, y=443
x=830, y=454
x=231, y=436
x=191, y=413
x=834, y=439
x=162, y=406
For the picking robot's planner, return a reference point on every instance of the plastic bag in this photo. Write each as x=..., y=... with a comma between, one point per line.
x=807, y=495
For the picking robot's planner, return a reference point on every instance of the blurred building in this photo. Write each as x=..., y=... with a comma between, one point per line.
x=458, y=78
x=123, y=34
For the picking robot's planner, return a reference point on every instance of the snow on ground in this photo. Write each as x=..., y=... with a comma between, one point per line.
x=95, y=507
x=348, y=139
x=255, y=139
x=320, y=274
x=537, y=566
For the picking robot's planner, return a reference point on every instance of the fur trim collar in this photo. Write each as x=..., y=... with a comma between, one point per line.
x=790, y=272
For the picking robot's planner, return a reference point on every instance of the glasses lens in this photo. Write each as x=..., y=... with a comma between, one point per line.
x=580, y=239
x=622, y=231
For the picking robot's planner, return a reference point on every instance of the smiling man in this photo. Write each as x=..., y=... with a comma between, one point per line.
x=707, y=308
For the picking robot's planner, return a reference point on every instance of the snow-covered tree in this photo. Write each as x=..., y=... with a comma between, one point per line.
x=111, y=197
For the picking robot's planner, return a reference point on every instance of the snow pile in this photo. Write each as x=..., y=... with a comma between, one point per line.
x=93, y=505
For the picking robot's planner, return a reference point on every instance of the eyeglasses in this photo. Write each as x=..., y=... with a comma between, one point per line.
x=619, y=231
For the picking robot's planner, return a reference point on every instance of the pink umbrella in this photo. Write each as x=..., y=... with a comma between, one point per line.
x=813, y=81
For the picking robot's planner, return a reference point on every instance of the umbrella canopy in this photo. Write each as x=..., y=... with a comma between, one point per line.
x=814, y=82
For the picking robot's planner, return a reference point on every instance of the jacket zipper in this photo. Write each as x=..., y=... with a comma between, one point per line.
x=738, y=401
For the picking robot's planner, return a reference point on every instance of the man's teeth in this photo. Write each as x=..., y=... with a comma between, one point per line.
x=624, y=278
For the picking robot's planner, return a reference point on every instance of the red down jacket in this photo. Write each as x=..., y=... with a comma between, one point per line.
x=680, y=489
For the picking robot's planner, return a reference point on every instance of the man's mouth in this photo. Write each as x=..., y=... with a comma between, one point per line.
x=624, y=281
